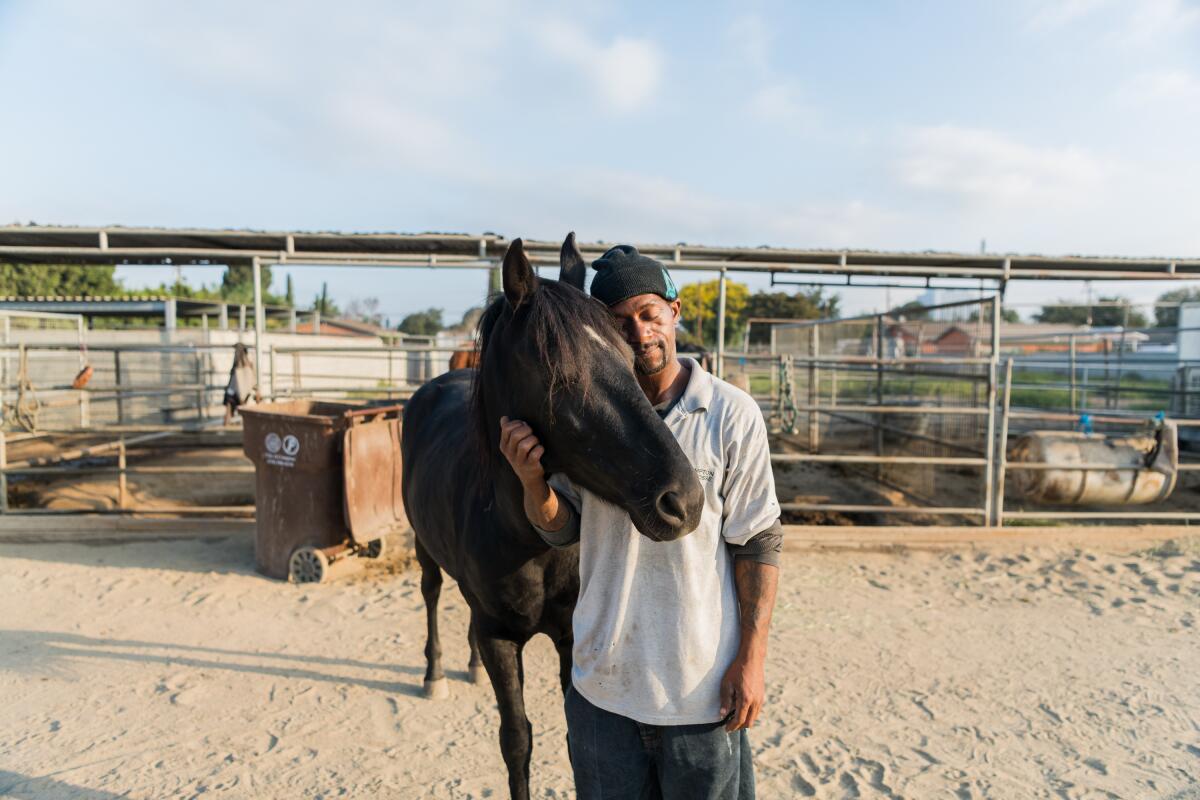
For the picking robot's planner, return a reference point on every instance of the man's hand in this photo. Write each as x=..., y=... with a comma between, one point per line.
x=743, y=690
x=523, y=451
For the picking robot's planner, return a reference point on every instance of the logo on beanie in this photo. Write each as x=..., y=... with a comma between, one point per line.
x=671, y=292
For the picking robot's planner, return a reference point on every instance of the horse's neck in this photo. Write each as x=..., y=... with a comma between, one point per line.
x=507, y=505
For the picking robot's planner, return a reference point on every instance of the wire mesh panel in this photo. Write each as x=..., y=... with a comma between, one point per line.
x=895, y=407
x=355, y=372
x=59, y=388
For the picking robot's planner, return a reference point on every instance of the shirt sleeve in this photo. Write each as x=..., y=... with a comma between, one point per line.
x=764, y=547
x=748, y=491
x=560, y=483
x=568, y=534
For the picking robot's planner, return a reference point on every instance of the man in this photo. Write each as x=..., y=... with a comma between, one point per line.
x=670, y=637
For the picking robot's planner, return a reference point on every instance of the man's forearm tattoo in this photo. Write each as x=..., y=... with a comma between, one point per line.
x=756, y=585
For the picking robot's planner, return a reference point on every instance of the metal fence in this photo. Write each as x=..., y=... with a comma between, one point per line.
x=140, y=397
x=911, y=404
x=924, y=407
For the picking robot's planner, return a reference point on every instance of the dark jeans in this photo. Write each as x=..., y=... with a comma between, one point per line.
x=616, y=758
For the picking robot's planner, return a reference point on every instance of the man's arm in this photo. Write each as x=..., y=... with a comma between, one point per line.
x=553, y=517
x=743, y=689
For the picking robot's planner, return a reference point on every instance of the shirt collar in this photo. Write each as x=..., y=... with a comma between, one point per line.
x=699, y=391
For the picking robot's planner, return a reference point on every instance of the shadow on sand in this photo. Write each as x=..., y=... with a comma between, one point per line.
x=47, y=652
x=21, y=787
x=225, y=555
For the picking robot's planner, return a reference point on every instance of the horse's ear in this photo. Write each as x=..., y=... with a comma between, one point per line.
x=571, y=267
x=518, y=275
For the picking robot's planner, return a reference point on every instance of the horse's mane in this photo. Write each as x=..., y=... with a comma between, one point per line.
x=555, y=316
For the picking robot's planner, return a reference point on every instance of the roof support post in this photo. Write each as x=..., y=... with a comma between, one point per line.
x=170, y=311
x=291, y=320
x=223, y=317
x=721, y=326
x=260, y=321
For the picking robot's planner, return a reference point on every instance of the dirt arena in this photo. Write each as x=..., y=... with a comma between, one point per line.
x=158, y=669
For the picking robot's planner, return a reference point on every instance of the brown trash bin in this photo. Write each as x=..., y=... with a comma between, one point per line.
x=327, y=483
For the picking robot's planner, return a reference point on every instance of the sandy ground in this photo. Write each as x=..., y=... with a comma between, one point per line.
x=164, y=669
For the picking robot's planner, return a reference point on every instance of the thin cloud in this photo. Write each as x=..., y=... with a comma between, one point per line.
x=781, y=103
x=751, y=40
x=625, y=73
x=988, y=167
x=1127, y=22
x=1172, y=86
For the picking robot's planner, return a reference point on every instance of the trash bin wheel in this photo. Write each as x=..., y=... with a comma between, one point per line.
x=308, y=565
x=375, y=548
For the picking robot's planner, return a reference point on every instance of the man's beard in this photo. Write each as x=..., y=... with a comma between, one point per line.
x=650, y=359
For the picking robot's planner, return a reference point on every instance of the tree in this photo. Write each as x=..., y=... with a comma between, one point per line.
x=1168, y=316
x=364, y=310
x=324, y=303
x=1008, y=315
x=699, y=309
x=422, y=323
x=58, y=280
x=812, y=304
x=910, y=311
x=237, y=284
x=469, y=322
x=1113, y=313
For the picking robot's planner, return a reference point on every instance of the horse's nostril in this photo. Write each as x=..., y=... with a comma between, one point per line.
x=670, y=508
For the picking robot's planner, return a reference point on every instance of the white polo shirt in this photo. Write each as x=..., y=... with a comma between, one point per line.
x=656, y=625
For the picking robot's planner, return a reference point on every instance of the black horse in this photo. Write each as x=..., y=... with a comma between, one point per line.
x=551, y=356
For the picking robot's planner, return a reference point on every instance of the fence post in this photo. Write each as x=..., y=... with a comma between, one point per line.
x=260, y=321
x=117, y=385
x=122, y=486
x=878, y=389
x=3, y=472
x=271, y=385
x=1003, y=466
x=814, y=396
x=7, y=342
x=1074, y=389
x=201, y=410
x=721, y=325
x=993, y=361
x=1121, y=358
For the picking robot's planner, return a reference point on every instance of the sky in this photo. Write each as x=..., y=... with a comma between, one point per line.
x=1055, y=127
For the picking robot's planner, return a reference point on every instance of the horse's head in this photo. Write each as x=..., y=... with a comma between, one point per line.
x=551, y=356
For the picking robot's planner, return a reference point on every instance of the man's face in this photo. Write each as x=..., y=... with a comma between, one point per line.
x=647, y=322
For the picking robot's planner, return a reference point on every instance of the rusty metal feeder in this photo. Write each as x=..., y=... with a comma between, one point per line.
x=327, y=485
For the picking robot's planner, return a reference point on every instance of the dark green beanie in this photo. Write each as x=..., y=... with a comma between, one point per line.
x=623, y=272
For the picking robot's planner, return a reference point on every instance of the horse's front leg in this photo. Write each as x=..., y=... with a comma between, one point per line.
x=503, y=660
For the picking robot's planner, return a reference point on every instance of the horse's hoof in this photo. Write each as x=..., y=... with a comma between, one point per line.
x=438, y=689
x=477, y=674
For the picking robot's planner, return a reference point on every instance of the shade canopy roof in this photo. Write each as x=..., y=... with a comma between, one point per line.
x=117, y=245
